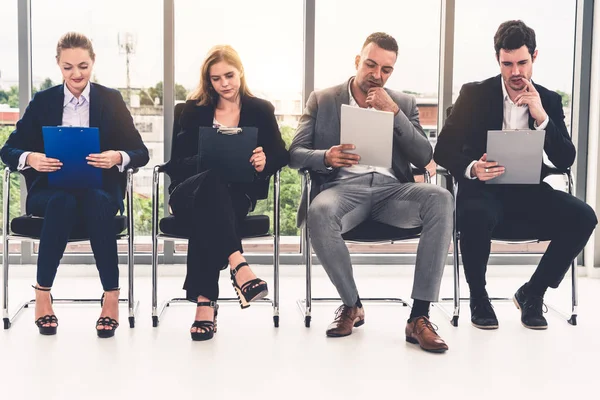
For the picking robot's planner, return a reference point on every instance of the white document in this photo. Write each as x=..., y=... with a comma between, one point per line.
x=371, y=131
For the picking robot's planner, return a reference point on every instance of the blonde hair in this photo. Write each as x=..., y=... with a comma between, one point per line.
x=75, y=40
x=204, y=94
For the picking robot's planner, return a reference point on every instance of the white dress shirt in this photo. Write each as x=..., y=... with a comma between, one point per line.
x=515, y=117
x=355, y=170
x=76, y=112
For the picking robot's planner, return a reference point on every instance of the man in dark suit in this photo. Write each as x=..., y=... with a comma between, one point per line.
x=511, y=101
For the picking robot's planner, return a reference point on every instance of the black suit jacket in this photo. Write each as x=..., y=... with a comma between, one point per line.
x=108, y=112
x=254, y=112
x=480, y=108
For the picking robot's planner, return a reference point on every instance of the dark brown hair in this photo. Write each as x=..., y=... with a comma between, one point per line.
x=382, y=40
x=512, y=35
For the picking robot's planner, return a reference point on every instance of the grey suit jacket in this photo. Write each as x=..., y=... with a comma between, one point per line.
x=319, y=129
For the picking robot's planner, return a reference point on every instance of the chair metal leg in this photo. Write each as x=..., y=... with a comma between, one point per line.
x=307, y=252
x=574, y=293
x=276, y=233
x=5, y=254
x=571, y=317
x=305, y=305
x=456, y=275
x=155, y=188
x=130, y=249
x=155, y=312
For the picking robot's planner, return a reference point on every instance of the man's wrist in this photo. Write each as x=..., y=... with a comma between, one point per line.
x=395, y=109
x=325, y=160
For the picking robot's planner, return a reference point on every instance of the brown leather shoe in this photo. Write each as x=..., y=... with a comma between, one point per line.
x=422, y=332
x=346, y=318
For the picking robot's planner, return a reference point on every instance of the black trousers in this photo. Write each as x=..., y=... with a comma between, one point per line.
x=62, y=210
x=547, y=214
x=212, y=212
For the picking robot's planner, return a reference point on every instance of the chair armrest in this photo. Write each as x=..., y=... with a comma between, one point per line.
x=304, y=172
x=555, y=171
x=6, y=198
x=160, y=167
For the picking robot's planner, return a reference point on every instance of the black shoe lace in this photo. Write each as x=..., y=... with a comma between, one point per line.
x=484, y=304
x=536, y=305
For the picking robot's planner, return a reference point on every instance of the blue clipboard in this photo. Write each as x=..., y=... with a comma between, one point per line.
x=228, y=151
x=71, y=145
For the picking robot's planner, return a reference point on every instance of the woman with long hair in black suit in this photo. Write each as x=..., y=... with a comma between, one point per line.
x=212, y=207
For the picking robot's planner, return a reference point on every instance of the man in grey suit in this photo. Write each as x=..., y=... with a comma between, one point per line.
x=347, y=193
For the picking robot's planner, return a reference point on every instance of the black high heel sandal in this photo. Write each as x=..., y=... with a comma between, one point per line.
x=252, y=290
x=205, y=330
x=46, y=319
x=106, y=321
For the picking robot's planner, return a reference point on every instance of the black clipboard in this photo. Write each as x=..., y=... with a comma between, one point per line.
x=228, y=151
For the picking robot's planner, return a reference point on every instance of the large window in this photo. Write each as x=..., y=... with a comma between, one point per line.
x=341, y=29
x=268, y=36
x=9, y=101
x=475, y=60
x=128, y=47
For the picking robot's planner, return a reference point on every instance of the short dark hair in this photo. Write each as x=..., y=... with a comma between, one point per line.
x=512, y=35
x=382, y=40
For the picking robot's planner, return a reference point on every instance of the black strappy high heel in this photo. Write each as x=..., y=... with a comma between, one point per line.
x=106, y=321
x=46, y=319
x=254, y=289
x=205, y=330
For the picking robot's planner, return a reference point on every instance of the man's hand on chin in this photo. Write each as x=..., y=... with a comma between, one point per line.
x=380, y=100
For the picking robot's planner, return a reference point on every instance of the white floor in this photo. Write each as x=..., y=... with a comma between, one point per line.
x=250, y=359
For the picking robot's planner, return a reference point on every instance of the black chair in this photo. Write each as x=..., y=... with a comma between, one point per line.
x=172, y=229
x=507, y=232
x=368, y=231
x=28, y=228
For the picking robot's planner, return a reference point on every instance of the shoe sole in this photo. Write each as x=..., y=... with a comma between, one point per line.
x=485, y=327
x=201, y=338
x=106, y=333
x=358, y=323
x=536, y=328
x=415, y=341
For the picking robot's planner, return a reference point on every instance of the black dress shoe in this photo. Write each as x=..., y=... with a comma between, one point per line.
x=532, y=309
x=482, y=313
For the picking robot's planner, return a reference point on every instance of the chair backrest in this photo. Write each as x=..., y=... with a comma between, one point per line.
x=176, y=126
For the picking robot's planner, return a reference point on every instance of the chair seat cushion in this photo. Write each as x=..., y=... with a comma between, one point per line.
x=372, y=231
x=253, y=225
x=27, y=225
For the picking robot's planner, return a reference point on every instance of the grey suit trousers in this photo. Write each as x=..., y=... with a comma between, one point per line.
x=343, y=204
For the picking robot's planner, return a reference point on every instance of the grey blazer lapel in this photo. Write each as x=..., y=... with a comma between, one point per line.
x=342, y=97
